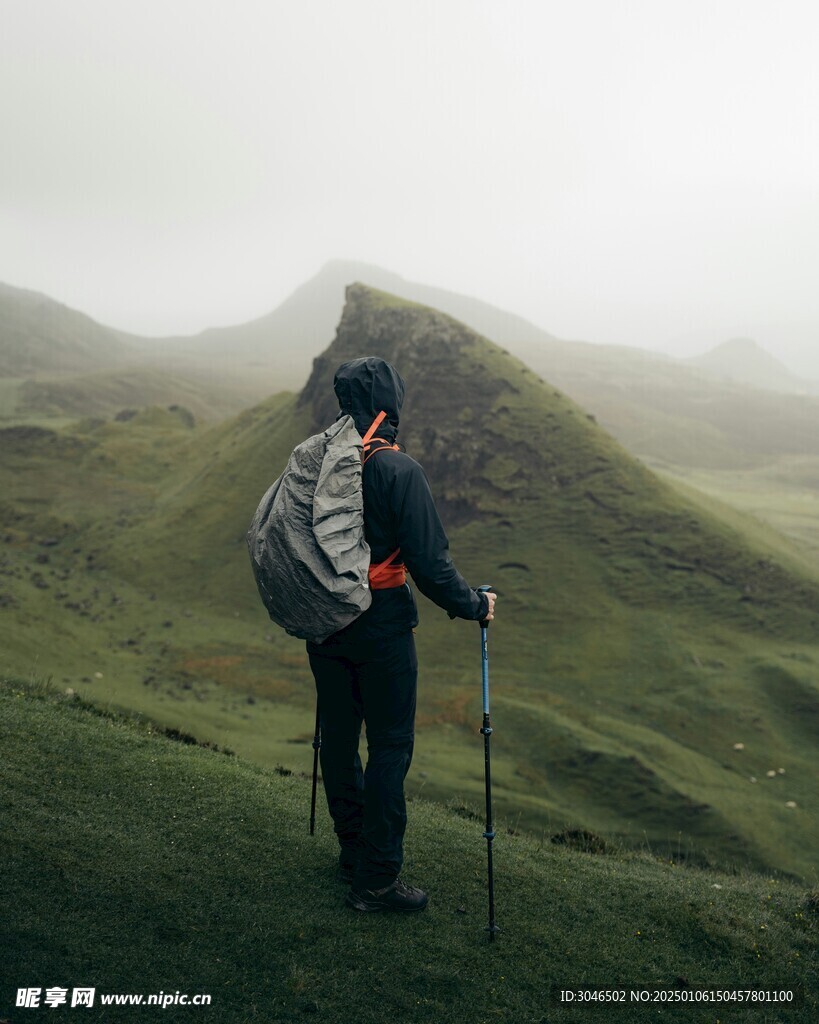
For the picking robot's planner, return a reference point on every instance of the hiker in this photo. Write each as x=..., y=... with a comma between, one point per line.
x=368, y=670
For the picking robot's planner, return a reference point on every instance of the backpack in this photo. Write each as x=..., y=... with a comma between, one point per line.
x=306, y=541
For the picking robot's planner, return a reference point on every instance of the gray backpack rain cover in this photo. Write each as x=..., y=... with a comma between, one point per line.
x=306, y=541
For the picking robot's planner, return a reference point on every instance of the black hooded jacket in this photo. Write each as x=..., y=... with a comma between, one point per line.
x=399, y=512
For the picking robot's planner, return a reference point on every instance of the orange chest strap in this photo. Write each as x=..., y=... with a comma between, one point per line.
x=384, y=576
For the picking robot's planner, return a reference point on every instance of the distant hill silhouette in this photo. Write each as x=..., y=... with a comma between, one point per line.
x=39, y=335
x=744, y=361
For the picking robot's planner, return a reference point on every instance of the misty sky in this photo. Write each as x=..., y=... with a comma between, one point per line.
x=640, y=172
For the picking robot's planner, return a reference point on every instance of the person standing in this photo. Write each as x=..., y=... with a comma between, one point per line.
x=367, y=671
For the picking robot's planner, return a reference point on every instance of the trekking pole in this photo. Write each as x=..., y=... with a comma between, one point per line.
x=316, y=748
x=486, y=731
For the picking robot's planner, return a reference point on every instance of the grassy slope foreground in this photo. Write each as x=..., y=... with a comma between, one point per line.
x=135, y=864
x=640, y=638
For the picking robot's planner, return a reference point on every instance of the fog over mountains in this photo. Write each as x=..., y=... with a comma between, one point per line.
x=729, y=408
x=39, y=335
x=745, y=361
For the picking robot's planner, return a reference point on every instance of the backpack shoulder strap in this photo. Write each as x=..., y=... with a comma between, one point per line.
x=384, y=446
x=369, y=440
x=376, y=423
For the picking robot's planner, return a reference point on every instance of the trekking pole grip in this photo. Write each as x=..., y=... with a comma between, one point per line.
x=485, y=589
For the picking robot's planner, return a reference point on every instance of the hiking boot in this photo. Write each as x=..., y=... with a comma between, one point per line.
x=398, y=896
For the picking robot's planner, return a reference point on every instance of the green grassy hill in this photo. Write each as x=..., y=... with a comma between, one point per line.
x=57, y=364
x=652, y=662
x=783, y=493
x=38, y=334
x=666, y=411
x=136, y=864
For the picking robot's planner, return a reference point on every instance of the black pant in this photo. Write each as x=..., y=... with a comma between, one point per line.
x=373, y=681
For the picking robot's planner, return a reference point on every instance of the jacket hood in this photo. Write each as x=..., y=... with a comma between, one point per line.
x=366, y=386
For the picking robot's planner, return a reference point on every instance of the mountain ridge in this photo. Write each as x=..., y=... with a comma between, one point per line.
x=662, y=409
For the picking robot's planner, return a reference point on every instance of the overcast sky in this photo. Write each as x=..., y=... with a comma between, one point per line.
x=641, y=172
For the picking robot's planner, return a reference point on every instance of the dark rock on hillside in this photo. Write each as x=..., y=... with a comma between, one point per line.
x=185, y=416
x=25, y=433
x=427, y=347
